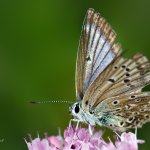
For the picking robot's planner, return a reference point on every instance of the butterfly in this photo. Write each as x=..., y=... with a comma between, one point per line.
x=108, y=86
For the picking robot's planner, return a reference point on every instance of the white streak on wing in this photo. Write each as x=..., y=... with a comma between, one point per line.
x=110, y=56
x=95, y=41
x=91, y=36
x=87, y=28
x=89, y=54
x=97, y=52
x=107, y=60
x=92, y=54
x=87, y=74
x=99, y=46
x=88, y=32
x=101, y=56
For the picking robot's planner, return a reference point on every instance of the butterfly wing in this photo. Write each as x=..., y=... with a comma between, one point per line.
x=96, y=51
x=125, y=111
x=117, y=88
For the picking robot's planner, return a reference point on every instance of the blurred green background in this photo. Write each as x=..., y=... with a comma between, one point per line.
x=38, y=46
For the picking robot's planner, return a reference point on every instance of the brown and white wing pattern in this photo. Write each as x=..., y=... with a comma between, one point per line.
x=117, y=92
x=125, y=111
x=96, y=51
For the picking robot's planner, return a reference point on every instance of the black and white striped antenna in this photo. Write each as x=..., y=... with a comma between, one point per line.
x=50, y=101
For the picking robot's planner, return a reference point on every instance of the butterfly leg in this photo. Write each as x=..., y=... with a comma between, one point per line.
x=91, y=129
x=117, y=134
x=70, y=123
x=74, y=120
x=136, y=132
x=77, y=125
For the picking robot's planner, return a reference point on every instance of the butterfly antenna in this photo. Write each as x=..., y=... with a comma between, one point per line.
x=50, y=101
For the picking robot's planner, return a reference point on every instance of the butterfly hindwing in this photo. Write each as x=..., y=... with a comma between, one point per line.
x=121, y=77
x=126, y=111
x=117, y=89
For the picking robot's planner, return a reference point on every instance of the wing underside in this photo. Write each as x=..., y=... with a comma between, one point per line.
x=97, y=50
x=108, y=84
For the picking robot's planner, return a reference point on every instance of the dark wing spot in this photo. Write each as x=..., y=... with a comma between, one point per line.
x=137, y=100
x=136, y=113
x=127, y=74
x=147, y=116
x=88, y=58
x=123, y=66
x=86, y=102
x=132, y=96
x=115, y=67
x=130, y=119
x=122, y=123
x=127, y=69
x=142, y=110
x=91, y=112
x=126, y=80
x=115, y=102
x=118, y=109
x=111, y=80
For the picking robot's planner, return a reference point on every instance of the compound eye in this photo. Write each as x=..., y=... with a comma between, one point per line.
x=77, y=109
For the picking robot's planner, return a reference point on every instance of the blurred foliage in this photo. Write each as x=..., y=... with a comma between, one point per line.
x=38, y=45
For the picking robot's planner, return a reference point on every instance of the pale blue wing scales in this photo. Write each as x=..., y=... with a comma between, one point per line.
x=95, y=51
x=90, y=54
x=104, y=59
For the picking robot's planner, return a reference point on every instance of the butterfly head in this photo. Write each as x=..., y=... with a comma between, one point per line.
x=79, y=114
x=76, y=110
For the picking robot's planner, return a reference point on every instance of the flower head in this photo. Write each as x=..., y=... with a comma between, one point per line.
x=81, y=139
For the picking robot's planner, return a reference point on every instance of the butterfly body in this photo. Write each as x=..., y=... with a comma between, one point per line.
x=103, y=118
x=83, y=116
x=108, y=86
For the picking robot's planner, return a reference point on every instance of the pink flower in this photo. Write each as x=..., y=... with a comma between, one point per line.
x=81, y=139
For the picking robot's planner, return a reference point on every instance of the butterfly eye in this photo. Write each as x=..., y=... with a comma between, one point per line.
x=77, y=109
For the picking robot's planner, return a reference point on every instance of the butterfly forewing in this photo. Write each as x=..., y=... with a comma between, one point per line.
x=96, y=51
